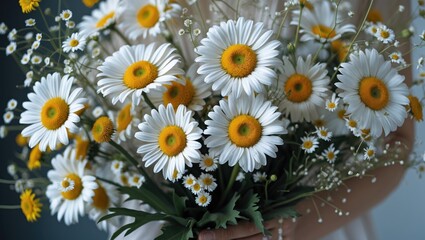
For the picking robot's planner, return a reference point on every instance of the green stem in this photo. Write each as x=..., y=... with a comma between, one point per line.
x=130, y=158
x=148, y=101
x=121, y=35
x=10, y=207
x=5, y=181
x=229, y=186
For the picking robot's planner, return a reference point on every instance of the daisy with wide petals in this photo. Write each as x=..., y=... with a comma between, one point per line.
x=239, y=57
x=169, y=140
x=319, y=23
x=133, y=70
x=375, y=93
x=243, y=130
x=305, y=88
x=143, y=17
x=51, y=111
x=190, y=93
x=71, y=188
x=100, y=18
x=75, y=42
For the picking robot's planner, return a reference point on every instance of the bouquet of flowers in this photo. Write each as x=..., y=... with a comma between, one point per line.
x=203, y=113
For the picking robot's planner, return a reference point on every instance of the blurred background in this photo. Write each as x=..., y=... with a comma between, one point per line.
x=401, y=216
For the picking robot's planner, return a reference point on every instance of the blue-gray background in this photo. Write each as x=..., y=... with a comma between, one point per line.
x=401, y=216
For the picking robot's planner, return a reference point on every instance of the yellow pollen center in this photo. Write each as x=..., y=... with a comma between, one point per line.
x=148, y=16
x=352, y=123
x=331, y=155
x=207, y=181
x=395, y=57
x=81, y=148
x=140, y=74
x=172, y=140
x=298, y=88
x=208, y=162
x=124, y=179
x=100, y=198
x=203, y=199
x=189, y=181
x=34, y=161
x=370, y=152
x=341, y=114
x=178, y=93
x=323, y=133
x=415, y=108
x=374, y=16
x=74, y=42
x=102, y=22
x=373, y=93
x=323, y=31
x=54, y=113
x=196, y=187
x=385, y=34
x=102, y=129
x=319, y=123
x=331, y=105
x=308, y=144
x=307, y=4
x=239, y=60
x=76, y=191
x=124, y=118
x=244, y=131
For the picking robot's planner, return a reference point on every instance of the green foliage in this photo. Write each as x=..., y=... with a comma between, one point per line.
x=227, y=215
x=249, y=207
x=177, y=232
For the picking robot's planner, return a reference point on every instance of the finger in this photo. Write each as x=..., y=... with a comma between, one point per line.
x=261, y=236
x=241, y=230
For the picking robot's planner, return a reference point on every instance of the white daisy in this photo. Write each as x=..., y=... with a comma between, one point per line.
x=385, y=34
x=259, y=177
x=323, y=133
x=125, y=122
x=196, y=187
x=369, y=153
x=208, y=182
x=239, y=57
x=332, y=104
x=396, y=57
x=75, y=42
x=305, y=88
x=36, y=59
x=30, y=22
x=244, y=130
x=66, y=15
x=51, y=111
x=203, y=199
x=72, y=187
x=191, y=91
x=133, y=70
x=319, y=23
x=375, y=93
x=12, y=104
x=3, y=28
x=330, y=153
x=208, y=163
x=189, y=181
x=169, y=140
x=25, y=59
x=309, y=144
x=35, y=45
x=100, y=18
x=144, y=17
x=117, y=166
x=336, y=121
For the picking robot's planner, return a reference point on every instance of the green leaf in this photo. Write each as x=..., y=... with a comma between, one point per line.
x=157, y=199
x=179, y=204
x=249, y=207
x=177, y=232
x=227, y=215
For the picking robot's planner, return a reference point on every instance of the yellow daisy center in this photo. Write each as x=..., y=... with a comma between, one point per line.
x=331, y=155
x=307, y=4
x=102, y=22
x=172, y=140
x=352, y=123
x=415, y=108
x=140, y=74
x=81, y=148
x=124, y=179
x=30, y=206
x=124, y=118
x=319, y=123
x=178, y=93
x=175, y=174
x=323, y=133
x=384, y=34
x=90, y=3
x=374, y=93
x=21, y=140
x=245, y=131
x=28, y=5
x=370, y=152
x=323, y=31
x=102, y=129
x=208, y=162
x=74, y=42
x=342, y=114
x=239, y=60
x=75, y=192
x=100, y=198
x=34, y=161
x=395, y=57
x=189, y=181
x=54, y=113
x=308, y=144
x=196, y=187
x=331, y=105
x=207, y=181
x=298, y=88
x=202, y=199
x=148, y=16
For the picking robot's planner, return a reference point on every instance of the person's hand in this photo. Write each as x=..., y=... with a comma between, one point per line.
x=248, y=231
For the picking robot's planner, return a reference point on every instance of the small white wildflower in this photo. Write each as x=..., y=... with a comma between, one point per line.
x=117, y=167
x=25, y=59
x=187, y=22
x=309, y=144
x=30, y=51
x=74, y=42
x=189, y=181
x=57, y=18
x=29, y=74
x=27, y=82
x=3, y=28
x=38, y=36
x=240, y=177
x=95, y=53
x=36, y=60
x=396, y=57
x=182, y=32
x=68, y=70
x=70, y=24
x=196, y=188
x=332, y=104
x=35, y=45
x=12, y=104
x=323, y=133
x=420, y=63
x=19, y=185
x=137, y=180
x=203, y=199
x=97, y=112
x=369, y=153
x=208, y=182
x=12, y=35
x=396, y=43
x=259, y=177
x=330, y=154
x=350, y=14
x=11, y=48
x=30, y=22
x=11, y=169
x=8, y=117
x=208, y=163
x=47, y=61
x=196, y=32
x=66, y=15
x=3, y=131
x=401, y=8
x=385, y=34
x=28, y=36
